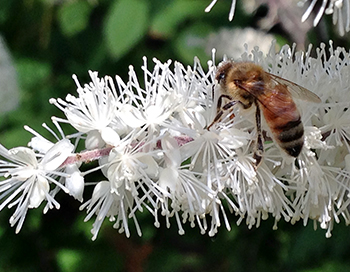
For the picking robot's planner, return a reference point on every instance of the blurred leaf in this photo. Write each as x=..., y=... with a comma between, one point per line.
x=5, y=11
x=69, y=260
x=330, y=266
x=125, y=25
x=166, y=21
x=32, y=73
x=9, y=95
x=191, y=43
x=303, y=246
x=17, y=136
x=172, y=260
x=73, y=17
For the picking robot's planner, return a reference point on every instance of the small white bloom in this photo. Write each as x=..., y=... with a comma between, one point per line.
x=27, y=178
x=93, y=111
x=152, y=105
x=127, y=168
x=313, y=139
x=187, y=190
x=339, y=8
x=234, y=42
x=105, y=203
x=232, y=9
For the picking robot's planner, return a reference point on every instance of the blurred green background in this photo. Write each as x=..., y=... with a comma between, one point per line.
x=49, y=41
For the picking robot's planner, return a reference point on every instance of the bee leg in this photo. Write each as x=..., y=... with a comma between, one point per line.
x=219, y=111
x=259, y=143
x=229, y=105
x=216, y=119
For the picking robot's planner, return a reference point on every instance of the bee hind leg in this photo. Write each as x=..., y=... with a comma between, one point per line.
x=258, y=154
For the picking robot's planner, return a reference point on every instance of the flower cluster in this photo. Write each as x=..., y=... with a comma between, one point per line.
x=232, y=9
x=156, y=154
x=340, y=10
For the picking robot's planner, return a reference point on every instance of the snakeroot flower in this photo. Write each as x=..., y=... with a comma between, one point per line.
x=28, y=177
x=340, y=10
x=232, y=9
x=155, y=153
x=93, y=111
x=230, y=42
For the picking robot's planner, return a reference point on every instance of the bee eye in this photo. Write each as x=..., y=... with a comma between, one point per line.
x=220, y=77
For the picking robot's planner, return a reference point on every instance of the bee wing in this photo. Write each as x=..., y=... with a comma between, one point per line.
x=296, y=90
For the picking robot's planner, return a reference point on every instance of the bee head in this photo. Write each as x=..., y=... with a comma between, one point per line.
x=222, y=71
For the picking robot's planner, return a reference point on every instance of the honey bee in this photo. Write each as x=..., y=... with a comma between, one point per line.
x=247, y=84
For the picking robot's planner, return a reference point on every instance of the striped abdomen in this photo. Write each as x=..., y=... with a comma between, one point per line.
x=283, y=118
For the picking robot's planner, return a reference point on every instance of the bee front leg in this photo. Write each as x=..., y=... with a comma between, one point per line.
x=259, y=143
x=219, y=110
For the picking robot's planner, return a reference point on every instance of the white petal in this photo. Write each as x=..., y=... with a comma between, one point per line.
x=110, y=137
x=101, y=189
x=75, y=183
x=40, y=189
x=197, y=114
x=172, y=151
x=23, y=154
x=132, y=116
x=233, y=138
x=57, y=155
x=189, y=149
x=347, y=162
x=168, y=178
x=94, y=140
x=151, y=167
x=40, y=144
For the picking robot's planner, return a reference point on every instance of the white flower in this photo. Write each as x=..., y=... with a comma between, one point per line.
x=127, y=168
x=93, y=112
x=168, y=162
x=28, y=178
x=339, y=8
x=232, y=10
x=188, y=192
x=322, y=198
x=73, y=178
x=105, y=203
x=160, y=152
x=130, y=172
x=232, y=42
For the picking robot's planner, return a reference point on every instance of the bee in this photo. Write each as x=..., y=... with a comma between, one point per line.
x=247, y=84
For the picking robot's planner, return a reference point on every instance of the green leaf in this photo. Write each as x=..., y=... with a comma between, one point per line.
x=166, y=21
x=125, y=25
x=73, y=17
